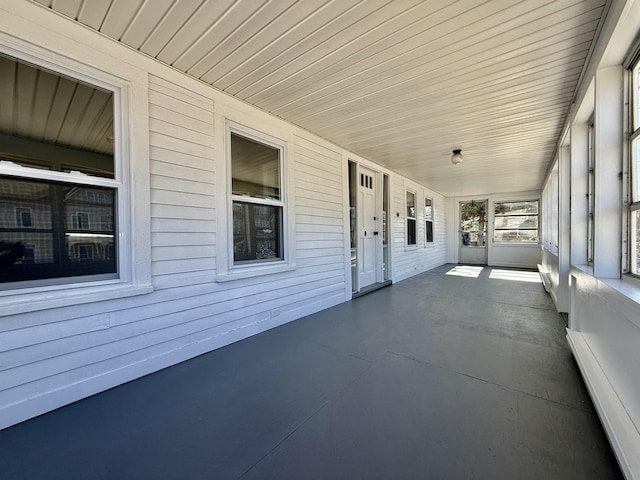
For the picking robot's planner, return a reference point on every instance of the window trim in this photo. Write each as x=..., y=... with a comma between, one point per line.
x=633, y=183
x=133, y=263
x=591, y=190
x=227, y=269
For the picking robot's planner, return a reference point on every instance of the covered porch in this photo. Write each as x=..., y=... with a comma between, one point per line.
x=460, y=372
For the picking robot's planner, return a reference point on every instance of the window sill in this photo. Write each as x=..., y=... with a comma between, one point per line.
x=44, y=299
x=516, y=244
x=253, y=271
x=624, y=293
x=588, y=269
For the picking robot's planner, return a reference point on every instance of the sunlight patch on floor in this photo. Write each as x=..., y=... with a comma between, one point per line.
x=465, y=271
x=515, y=276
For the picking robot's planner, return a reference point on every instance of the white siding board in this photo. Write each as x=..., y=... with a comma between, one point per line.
x=177, y=280
x=179, y=253
x=177, y=225
x=167, y=183
x=333, y=175
x=174, y=157
x=319, y=224
x=184, y=172
x=181, y=239
x=180, y=146
x=311, y=196
x=306, y=237
x=311, y=180
x=163, y=114
x=326, y=210
x=181, y=132
x=183, y=265
x=181, y=198
x=182, y=212
x=27, y=336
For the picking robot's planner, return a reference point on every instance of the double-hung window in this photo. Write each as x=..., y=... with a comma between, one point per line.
x=257, y=200
x=634, y=191
x=411, y=219
x=428, y=220
x=516, y=222
x=58, y=179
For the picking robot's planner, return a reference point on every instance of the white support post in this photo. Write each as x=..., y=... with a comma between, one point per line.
x=609, y=134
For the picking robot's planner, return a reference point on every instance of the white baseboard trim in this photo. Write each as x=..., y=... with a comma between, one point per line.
x=619, y=426
x=544, y=275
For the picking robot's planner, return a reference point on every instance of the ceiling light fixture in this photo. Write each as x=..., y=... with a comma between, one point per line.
x=457, y=157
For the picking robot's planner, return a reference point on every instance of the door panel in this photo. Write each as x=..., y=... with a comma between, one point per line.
x=368, y=237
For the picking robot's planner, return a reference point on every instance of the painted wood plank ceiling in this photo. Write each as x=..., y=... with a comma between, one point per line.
x=401, y=82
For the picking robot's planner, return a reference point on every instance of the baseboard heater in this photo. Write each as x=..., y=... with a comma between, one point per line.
x=619, y=426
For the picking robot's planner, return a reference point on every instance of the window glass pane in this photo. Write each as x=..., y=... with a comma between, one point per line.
x=529, y=236
x=636, y=172
x=429, y=231
x=255, y=169
x=517, y=222
x=516, y=208
x=635, y=242
x=58, y=123
x=428, y=209
x=636, y=100
x=411, y=232
x=256, y=232
x=473, y=223
x=411, y=204
x=55, y=230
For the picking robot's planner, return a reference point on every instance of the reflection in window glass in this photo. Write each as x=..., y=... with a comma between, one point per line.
x=473, y=223
x=256, y=232
x=59, y=241
x=635, y=242
x=516, y=222
x=255, y=169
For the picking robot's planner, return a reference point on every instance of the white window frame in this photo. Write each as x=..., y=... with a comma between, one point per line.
x=133, y=241
x=634, y=169
x=229, y=270
x=428, y=242
x=591, y=194
x=414, y=218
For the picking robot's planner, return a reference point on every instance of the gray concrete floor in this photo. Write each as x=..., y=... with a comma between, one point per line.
x=438, y=377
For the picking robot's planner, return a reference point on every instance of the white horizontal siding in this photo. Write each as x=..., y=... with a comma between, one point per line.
x=319, y=212
x=408, y=261
x=181, y=122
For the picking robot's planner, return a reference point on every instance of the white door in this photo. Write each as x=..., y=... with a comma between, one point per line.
x=368, y=235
